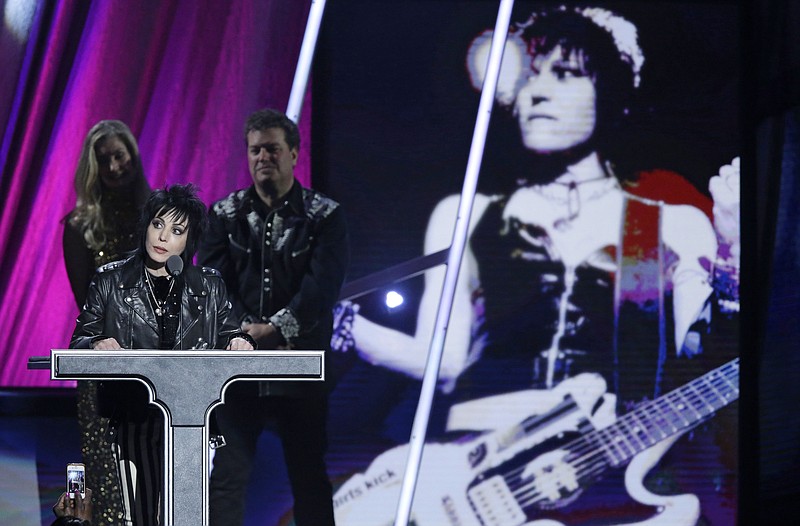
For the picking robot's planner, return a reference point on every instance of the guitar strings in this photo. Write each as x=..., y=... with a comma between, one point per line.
x=709, y=392
x=594, y=463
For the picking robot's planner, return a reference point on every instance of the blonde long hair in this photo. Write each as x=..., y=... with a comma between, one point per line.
x=88, y=215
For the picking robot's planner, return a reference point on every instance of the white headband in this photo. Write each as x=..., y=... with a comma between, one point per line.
x=625, y=36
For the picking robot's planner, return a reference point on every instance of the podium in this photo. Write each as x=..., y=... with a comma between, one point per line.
x=185, y=385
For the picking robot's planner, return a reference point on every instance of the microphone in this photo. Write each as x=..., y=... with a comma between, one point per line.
x=174, y=266
x=174, y=269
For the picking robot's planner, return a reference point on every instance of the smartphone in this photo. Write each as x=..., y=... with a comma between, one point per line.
x=76, y=480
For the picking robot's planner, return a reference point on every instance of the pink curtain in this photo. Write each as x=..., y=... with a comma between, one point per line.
x=183, y=74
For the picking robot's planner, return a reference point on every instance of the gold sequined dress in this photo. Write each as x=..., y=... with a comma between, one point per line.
x=81, y=261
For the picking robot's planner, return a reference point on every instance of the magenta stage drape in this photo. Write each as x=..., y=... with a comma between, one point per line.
x=183, y=74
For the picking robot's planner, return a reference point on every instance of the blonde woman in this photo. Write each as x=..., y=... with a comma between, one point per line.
x=111, y=189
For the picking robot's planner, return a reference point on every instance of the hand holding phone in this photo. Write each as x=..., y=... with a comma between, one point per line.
x=78, y=507
x=76, y=480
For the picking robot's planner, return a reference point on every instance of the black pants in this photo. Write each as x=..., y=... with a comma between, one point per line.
x=301, y=425
x=139, y=453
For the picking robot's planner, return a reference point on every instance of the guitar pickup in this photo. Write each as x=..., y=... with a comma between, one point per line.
x=494, y=504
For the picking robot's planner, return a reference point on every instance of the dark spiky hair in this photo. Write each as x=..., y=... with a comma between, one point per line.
x=181, y=201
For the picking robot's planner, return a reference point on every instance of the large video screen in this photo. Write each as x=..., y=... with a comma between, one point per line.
x=590, y=372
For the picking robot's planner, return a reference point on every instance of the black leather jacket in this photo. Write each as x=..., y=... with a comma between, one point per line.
x=284, y=266
x=117, y=306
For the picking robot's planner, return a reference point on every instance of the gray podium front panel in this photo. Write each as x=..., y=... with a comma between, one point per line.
x=186, y=385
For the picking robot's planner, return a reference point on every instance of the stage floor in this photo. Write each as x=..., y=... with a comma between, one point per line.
x=39, y=436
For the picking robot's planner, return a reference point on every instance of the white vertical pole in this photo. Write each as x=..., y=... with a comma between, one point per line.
x=436, y=348
x=303, y=69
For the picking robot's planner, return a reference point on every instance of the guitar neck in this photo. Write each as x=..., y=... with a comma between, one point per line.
x=667, y=415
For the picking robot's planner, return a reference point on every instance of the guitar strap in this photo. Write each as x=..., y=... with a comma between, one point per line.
x=640, y=346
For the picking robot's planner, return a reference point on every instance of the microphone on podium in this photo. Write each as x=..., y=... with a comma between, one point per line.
x=216, y=440
x=174, y=266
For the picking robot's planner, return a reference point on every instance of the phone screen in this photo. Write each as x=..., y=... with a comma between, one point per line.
x=76, y=480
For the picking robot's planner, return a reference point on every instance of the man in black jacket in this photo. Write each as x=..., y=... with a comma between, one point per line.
x=282, y=251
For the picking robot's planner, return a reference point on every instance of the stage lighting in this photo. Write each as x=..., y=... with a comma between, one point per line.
x=393, y=299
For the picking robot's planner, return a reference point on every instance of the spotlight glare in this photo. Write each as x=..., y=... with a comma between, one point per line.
x=393, y=299
x=18, y=17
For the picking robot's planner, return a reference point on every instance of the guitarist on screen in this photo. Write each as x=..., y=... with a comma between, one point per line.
x=584, y=294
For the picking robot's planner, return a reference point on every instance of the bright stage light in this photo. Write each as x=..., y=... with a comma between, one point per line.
x=18, y=16
x=393, y=299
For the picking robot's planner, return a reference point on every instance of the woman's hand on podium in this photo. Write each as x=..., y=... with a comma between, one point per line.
x=106, y=344
x=239, y=344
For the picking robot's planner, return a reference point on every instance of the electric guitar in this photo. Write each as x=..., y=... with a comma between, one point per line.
x=530, y=473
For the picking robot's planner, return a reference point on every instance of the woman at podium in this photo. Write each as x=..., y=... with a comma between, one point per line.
x=155, y=299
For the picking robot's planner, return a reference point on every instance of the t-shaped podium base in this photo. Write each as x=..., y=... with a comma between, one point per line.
x=186, y=385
